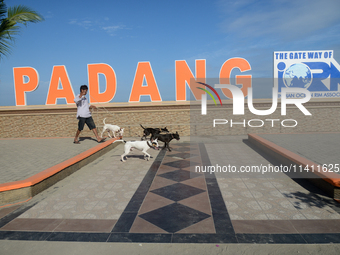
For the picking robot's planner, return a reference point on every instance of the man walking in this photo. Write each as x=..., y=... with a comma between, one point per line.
x=84, y=114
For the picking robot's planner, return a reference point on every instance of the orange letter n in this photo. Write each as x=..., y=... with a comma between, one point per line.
x=184, y=76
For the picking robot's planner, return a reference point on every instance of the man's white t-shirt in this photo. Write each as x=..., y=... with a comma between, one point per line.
x=83, y=107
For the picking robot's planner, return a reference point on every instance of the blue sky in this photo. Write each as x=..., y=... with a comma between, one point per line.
x=122, y=33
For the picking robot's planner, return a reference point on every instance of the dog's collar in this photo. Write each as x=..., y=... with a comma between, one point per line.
x=147, y=142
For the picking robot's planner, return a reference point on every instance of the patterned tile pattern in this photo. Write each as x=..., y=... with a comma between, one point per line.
x=176, y=202
x=174, y=217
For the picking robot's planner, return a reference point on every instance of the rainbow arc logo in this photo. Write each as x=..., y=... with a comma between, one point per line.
x=209, y=93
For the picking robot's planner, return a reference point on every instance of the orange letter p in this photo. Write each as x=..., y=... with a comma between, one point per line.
x=20, y=86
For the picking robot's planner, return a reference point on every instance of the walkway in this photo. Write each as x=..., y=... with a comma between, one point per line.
x=166, y=200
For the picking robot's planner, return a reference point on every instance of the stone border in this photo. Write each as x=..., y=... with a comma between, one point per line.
x=327, y=181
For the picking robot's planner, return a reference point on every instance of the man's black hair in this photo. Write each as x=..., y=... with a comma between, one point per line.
x=83, y=87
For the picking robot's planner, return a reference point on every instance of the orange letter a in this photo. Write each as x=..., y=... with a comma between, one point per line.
x=138, y=89
x=59, y=73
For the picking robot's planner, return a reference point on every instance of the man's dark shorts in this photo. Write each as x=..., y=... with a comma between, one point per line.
x=89, y=122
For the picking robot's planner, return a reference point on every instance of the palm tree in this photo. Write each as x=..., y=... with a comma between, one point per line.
x=9, y=25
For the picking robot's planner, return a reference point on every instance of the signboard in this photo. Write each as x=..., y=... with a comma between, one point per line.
x=316, y=71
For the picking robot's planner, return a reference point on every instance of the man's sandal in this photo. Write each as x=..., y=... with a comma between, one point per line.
x=76, y=142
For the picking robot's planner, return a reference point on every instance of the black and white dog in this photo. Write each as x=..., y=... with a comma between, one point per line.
x=139, y=145
x=166, y=138
x=152, y=131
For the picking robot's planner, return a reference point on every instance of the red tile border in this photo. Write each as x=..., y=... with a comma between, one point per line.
x=286, y=226
x=86, y=225
x=23, y=224
x=7, y=210
x=60, y=225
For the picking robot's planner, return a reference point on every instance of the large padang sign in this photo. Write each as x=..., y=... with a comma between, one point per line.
x=315, y=71
x=26, y=80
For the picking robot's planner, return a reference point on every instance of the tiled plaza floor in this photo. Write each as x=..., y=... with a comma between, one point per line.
x=22, y=158
x=167, y=200
x=263, y=196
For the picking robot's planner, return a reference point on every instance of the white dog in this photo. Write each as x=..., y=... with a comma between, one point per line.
x=114, y=128
x=139, y=145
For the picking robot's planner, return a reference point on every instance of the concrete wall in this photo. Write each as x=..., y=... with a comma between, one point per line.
x=186, y=118
x=60, y=121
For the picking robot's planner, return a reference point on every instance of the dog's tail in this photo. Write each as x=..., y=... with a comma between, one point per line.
x=120, y=141
x=104, y=121
x=142, y=126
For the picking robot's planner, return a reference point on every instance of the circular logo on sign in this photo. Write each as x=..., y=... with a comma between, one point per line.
x=297, y=76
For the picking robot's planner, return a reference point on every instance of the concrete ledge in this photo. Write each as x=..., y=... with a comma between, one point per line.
x=19, y=191
x=327, y=181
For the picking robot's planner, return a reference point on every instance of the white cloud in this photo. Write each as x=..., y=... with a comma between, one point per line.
x=284, y=19
x=112, y=29
x=97, y=24
x=49, y=15
x=82, y=23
